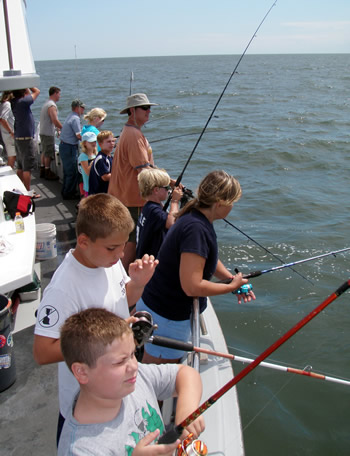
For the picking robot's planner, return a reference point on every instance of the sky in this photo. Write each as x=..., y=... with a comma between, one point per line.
x=71, y=29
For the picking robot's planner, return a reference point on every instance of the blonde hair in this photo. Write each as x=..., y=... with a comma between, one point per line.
x=95, y=113
x=84, y=149
x=104, y=134
x=151, y=178
x=216, y=187
x=86, y=335
x=102, y=214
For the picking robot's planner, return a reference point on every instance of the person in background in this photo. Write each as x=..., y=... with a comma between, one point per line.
x=91, y=275
x=99, y=349
x=95, y=119
x=154, y=222
x=24, y=133
x=68, y=148
x=100, y=172
x=7, y=122
x=133, y=153
x=49, y=123
x=85, y=159
x=188, y=258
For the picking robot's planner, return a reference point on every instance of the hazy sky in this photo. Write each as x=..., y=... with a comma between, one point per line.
x=113, y=28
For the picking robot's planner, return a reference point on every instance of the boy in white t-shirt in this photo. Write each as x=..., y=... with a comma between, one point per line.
x=116, y=411
x=91, y=275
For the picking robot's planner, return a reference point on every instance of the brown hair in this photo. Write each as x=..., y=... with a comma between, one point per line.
x=104, y=134
x=217, y=186
x=100, y=215
x=85, y=335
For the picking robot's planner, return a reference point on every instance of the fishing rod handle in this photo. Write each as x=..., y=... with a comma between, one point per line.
x=171, y=343
x=171, y=435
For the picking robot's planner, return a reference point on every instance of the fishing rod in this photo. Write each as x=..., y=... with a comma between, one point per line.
x=180, y=136
x=286, y=265
x=178, y=180
x=185, y=346
x=264, y=248
x=173, y=434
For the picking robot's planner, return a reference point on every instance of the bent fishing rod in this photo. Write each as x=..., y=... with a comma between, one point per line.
x=285, y=265
x=173, y=434
x=185, y=346
x=178, y=180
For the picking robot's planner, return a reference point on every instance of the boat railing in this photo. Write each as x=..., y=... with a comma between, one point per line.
x=194, y=357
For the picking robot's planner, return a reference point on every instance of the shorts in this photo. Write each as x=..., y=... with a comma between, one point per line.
x=9, y=144
x=48, y=146
x=26, y=156
x=179, y=330
x=135, y=214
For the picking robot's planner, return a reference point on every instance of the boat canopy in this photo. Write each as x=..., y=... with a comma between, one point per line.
x=17, y=69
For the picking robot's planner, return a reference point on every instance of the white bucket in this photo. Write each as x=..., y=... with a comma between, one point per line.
x=45, y=241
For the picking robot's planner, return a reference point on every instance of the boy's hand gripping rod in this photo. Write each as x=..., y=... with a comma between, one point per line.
x=286, y=265
x=173, y=434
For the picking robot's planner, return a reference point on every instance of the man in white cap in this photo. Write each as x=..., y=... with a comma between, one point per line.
x=133, y=154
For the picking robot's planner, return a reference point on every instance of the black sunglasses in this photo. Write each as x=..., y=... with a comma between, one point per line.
x=168, y=187
x=145, y=108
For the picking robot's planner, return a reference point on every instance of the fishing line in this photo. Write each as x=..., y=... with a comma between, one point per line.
x=274, y=396
x=266, y=250
x=286, y=265
x=178, y=180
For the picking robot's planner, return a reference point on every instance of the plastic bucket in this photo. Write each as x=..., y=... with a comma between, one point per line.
x=7, y=360
x=45, y=241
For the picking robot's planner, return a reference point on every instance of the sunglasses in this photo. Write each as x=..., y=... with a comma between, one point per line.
x=168, y=187
x=145, y=108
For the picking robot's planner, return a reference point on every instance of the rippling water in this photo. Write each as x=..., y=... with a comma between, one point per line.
x=282, y=128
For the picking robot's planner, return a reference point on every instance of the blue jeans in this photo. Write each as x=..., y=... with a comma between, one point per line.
x=69, y=157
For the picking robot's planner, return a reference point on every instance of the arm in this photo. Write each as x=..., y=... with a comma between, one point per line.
x=140, y=272
x=7, y=127
x=47, y=350
x=193, y=284
x=35, y=92
x=189, y=392
x=86, y=166
x=174, y=207
x=52, y=111
x=106, y=177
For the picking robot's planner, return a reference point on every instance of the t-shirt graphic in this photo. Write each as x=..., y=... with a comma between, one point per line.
x=150, y=422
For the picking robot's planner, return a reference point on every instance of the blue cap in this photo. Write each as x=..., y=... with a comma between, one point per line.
x=89, y=136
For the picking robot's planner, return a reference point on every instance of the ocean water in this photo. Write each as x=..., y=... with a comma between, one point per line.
x=282, y=128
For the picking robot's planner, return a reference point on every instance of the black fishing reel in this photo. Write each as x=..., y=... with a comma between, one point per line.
x=186, y=197
x=143, y=330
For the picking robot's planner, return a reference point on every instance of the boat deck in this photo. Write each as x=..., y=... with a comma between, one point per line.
x=29, y=408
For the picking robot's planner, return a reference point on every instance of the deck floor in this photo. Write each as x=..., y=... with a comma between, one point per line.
x=29, y=408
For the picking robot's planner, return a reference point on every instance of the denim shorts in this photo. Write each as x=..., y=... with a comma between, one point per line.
x=180, y=330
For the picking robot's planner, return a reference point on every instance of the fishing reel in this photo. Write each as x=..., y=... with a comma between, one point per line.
x=143, y=330
x=244, y=289
x=191, y=446
x=186, y=197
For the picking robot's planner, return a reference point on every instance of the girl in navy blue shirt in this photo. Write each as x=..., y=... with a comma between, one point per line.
x=188, y=258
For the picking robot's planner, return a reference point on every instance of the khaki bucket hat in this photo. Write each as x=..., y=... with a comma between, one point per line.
x=137, y=99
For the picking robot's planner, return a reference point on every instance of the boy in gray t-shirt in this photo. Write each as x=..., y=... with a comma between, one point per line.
x=116, y=411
